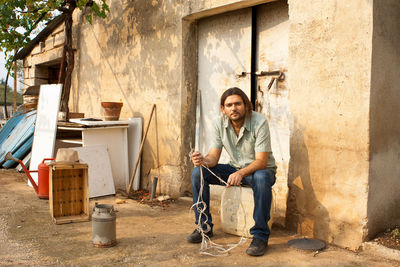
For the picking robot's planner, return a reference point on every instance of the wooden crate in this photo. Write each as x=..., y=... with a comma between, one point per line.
x=69, y=192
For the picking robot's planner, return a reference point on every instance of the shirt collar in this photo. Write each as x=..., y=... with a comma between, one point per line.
x=246, y=125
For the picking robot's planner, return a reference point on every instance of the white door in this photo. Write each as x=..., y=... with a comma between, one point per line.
x=224, y=52
x=272, y=96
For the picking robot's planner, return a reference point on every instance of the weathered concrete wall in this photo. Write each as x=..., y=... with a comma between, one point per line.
x=135, y=56
x=330, y=46
x=384, y=186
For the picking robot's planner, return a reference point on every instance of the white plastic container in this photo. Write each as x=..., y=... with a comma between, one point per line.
x=237, y=207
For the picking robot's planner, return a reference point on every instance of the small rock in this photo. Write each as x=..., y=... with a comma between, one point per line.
x=120, y=201
x=19, y=226
x=162, y=198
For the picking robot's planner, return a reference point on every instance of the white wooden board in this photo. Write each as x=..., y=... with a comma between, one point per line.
x=97, y=123
x=117, y=146
x=46, y=125
x=134, y=140
x=101, y=181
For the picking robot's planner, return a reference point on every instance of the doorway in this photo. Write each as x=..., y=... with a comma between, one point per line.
x=248, y=48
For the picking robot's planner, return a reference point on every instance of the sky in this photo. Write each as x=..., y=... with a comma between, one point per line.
x=3, y=71
x=3, y=74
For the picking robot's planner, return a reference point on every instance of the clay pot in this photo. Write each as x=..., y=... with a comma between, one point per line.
x=111, y=110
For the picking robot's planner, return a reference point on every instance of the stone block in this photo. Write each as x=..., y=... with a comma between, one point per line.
x=36, y=50
x=26, y=72
x=58, y=40
x=49, y=43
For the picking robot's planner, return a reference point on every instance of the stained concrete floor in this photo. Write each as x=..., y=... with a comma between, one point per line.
x=146, y=236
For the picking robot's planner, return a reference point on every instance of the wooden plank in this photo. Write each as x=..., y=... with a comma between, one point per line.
x=71, y=219
x=51, y=193
x=85, y=192
x=46, y=125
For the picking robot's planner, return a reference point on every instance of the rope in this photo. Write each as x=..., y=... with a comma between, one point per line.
x=206, y=244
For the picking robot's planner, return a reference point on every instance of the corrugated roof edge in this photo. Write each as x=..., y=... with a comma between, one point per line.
x=51, y=25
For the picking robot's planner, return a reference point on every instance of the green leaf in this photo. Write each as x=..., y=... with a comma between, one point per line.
x=89, y=18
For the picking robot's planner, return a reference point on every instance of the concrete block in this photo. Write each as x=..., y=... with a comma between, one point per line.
x=26, y=73
x=236, y=211
x=28, y=62
x=58, y=30
x=42, y=46
x=58, y=40
x=380, y=251
x=36, y=50
x=49, y=43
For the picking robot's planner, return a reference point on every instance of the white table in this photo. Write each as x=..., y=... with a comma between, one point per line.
x=114, y=137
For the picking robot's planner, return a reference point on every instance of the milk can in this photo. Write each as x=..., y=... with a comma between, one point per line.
x=103, y=226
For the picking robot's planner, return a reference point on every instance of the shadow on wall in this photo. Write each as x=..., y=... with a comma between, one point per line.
x=305, y=214
x=133, y=55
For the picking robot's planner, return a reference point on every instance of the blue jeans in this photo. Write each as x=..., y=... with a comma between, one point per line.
x=260, y=181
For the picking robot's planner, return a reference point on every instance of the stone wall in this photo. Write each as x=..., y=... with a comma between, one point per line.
x=330, y=46
x=46, y=53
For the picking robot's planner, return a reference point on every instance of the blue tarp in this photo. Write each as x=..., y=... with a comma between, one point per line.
x=17, y=135
x=9, y=126
x=20, y=153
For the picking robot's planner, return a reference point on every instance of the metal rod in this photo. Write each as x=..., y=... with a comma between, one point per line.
x=153, y=188
x=9, y=156
x=198, y=110
x=269, y=73
x=254, y=41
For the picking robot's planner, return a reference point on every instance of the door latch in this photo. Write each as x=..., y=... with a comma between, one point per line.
x=279, y=75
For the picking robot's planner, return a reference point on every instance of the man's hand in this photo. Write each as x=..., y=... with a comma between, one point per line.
x=235, y=179
x=197, y=158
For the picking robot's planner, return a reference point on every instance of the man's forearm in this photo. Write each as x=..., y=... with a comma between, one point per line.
x=210, y=161
x=256, y=165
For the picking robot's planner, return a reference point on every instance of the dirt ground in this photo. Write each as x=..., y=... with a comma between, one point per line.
x=146, y=236
x=390, y=238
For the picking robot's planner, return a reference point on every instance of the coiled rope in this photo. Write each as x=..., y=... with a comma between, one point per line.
x=207, y=246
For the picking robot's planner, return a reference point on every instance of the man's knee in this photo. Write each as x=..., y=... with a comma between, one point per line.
x=264, y=178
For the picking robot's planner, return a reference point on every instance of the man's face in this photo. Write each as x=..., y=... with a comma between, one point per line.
x=234, y=108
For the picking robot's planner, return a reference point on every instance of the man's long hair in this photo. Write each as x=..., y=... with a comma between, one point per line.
x=239, y=92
